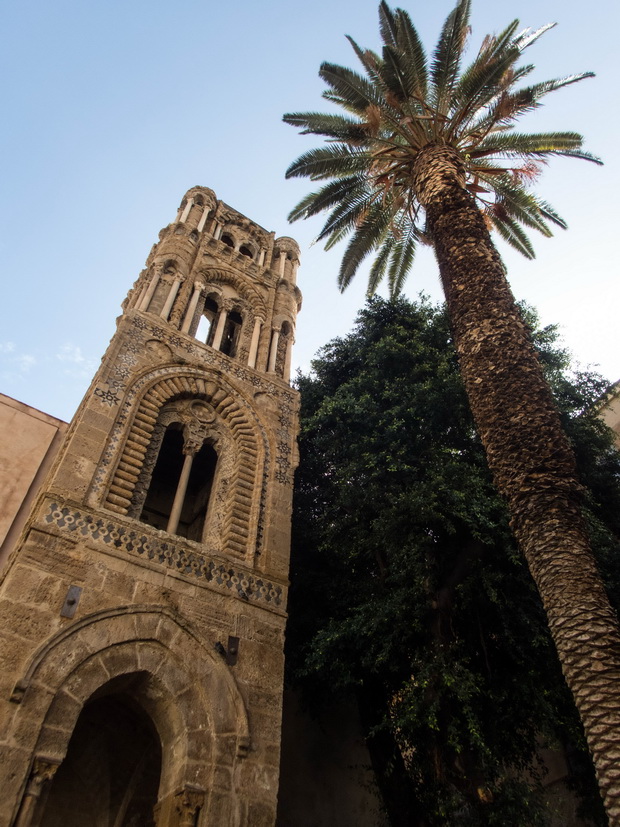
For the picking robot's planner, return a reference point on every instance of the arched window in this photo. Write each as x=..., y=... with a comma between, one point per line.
x=208, y=321
x=230, y=337
x=168, y=488
x=245, y=251
x=227, y=240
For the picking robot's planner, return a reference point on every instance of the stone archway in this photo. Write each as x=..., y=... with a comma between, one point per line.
x=179, y=683
x=110, y=776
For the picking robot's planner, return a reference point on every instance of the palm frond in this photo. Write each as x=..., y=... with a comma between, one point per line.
x=515, y=202
x=392, y=73
x=403, y=255
x=515, y=144
x=350, y=90
x=333, y=160
x=551, y=215
x=527, y=37
x=528, y=98
x=377, y=271
x=370, y=233
x=485, y=78
x=511, y=232
x=369, y=60
x=448, y=53
x=344, y=218
x=387, y=24
x=330, y=126
x=408, y=41
x=324, y=199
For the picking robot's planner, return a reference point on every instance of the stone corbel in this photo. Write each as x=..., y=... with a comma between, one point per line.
x=188, y=804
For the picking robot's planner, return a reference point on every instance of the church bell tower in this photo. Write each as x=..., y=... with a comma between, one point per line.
x=142, y=610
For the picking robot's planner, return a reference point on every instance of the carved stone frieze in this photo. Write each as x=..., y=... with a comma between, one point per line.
x=185, y=558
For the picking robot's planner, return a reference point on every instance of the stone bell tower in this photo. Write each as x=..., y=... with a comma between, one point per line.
x=142, y=610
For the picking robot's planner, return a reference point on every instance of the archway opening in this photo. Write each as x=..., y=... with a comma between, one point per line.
x=110, y=775
x=165, y=482
x=230, y=337
x=196, y=502
x=206, y=325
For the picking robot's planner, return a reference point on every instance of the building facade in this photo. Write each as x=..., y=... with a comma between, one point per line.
x=143, y=604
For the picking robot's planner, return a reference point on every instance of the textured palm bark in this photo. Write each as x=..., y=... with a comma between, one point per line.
x=529, y=456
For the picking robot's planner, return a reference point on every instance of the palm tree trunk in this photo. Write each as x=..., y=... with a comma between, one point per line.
x=529, y=455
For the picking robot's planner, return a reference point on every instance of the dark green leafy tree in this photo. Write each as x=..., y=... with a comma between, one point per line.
x=408, y=591
x=426, y=150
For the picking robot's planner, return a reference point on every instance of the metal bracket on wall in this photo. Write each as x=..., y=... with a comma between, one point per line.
x=71, y=601
x=233, y=650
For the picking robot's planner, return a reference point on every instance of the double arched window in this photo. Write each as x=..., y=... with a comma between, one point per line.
x=218, y=327
x=179, y=471
x=244, y=248
x=179, y=490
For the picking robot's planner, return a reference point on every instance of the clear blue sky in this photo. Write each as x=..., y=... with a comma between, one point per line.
x=112, y=110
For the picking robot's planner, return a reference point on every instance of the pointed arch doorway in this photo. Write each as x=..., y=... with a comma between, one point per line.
x=111, y=773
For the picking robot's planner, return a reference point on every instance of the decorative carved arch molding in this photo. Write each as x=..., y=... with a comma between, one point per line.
x=144, y=401
x=253, y=298
x=154, y=655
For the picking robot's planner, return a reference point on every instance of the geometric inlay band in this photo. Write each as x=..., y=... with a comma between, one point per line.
x=180, y=559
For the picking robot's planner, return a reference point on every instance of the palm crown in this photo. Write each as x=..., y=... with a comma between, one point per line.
x=405, y=103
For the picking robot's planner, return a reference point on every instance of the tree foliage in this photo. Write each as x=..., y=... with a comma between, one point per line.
x=405, y=102
x=408, y=591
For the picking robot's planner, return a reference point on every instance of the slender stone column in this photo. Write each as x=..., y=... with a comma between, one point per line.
x=138, y=295
x=261, y=257
x=287, y=359
x=170, y=300
x=217, y=230
x=42, y=773
x=189, y=316
x=254, y=343
x=203, y=219
x=294, y=272
x=219, y=330
x=188, y=206
x=273, y=353
x=146, y=300
x=282, y=263
x=179, y=497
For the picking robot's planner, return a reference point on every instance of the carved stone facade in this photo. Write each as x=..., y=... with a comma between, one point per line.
x=143, y=607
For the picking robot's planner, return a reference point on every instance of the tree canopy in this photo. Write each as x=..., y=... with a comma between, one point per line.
x=408, y=590
x=406, y=102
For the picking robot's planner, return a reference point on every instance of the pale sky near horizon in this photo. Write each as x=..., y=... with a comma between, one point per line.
x=112, y=110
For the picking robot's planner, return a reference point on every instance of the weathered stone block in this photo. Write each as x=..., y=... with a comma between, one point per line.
x=28, y=622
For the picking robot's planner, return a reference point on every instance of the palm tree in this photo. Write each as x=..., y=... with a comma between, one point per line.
x=427, y=152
